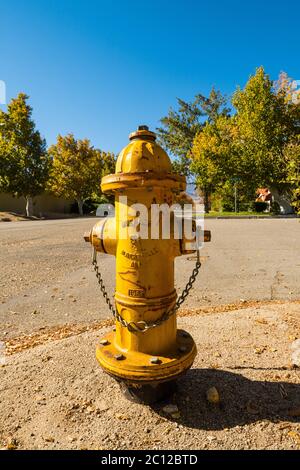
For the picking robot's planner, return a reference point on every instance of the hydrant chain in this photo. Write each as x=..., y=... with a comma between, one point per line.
x=143, y=326
x=101, y=283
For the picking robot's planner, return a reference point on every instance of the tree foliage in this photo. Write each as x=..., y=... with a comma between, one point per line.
x=292, y=158
x=24, y=162
x=77, y=169
x=265, y=125
x=252, y=146
x=211, y=154
x=180, y=127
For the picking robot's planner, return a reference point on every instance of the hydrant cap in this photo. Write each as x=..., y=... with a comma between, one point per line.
x=143, y=163
x=143, y=154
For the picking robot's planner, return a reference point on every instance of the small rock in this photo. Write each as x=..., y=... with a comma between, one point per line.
x=40, y=400
x=295, y=347
x=47, y=358
x=172, y=410
x=122, y=416
x=101, y=405
x=12, y=444
x=75, y=406
x=212, y=396
x=295, y=436
x=296, y=359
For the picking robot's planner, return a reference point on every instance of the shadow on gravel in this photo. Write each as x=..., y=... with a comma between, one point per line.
x=243, y=401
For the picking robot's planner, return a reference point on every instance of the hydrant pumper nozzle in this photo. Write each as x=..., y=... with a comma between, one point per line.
x=140, y=357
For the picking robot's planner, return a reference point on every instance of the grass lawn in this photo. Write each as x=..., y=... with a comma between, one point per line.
x=237, y=214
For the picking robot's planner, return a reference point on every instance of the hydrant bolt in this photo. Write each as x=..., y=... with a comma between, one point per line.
x=119, y=357
x=155, y=360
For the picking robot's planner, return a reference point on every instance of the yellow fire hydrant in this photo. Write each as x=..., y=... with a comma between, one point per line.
x=145, y=352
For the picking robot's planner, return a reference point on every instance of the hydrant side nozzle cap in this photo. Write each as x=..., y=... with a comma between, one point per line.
x=142, y=133
x=87, y=236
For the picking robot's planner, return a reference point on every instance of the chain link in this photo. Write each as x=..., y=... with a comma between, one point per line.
x=143, y=326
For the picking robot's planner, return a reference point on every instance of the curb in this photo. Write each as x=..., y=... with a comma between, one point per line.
x=253, y=217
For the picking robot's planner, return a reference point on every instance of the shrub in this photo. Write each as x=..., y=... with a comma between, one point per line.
x=260, y=206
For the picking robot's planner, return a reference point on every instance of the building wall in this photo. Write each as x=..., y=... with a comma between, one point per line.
x=43, y=204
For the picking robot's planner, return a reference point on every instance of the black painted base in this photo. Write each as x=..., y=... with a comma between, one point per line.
x=149, y=394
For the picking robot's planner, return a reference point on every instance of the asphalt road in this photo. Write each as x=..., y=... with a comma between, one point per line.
x=46, y=277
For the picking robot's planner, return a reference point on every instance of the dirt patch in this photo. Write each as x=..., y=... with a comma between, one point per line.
x=12, y=217
x=55, y=396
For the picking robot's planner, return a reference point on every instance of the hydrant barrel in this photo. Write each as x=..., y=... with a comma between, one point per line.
x=146, y=349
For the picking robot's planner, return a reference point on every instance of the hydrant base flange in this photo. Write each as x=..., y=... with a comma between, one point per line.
x=141, y=368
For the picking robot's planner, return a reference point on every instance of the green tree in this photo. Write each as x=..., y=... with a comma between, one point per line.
x=264, y=125
x=251, y=146
x=77, y=168
x=212, y=156
x=292, y=158
x=180, y=127
x=24, y=163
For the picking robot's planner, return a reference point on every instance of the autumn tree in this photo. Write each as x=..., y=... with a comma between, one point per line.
x=77, y=168
x=264, y=128
x=213, y=156
x=287, y=87
x=24, y=162
x=180, y=127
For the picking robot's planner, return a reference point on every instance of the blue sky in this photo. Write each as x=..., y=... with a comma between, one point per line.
x=100, y=68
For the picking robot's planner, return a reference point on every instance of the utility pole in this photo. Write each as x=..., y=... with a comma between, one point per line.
x=235, y=198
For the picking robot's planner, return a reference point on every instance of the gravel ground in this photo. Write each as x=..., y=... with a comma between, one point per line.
x=55, y=396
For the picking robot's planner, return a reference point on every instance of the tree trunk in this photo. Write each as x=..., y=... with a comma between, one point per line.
x=206, y=202
x=29, y=206
x=282, y=200
x=80, y=207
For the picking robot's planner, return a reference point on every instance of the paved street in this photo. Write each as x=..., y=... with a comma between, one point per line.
x=46, y=277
